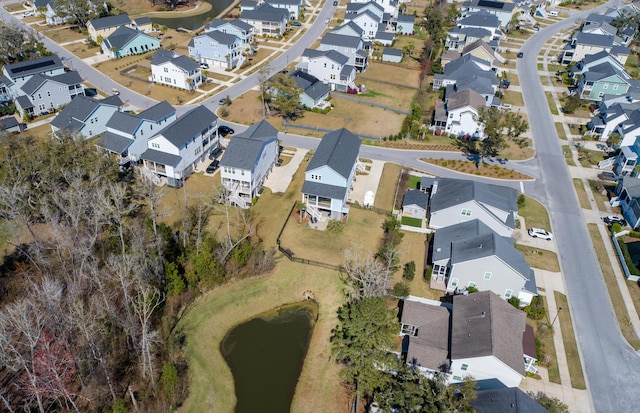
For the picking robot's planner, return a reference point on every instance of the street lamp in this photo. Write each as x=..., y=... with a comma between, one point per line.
x=556, y=317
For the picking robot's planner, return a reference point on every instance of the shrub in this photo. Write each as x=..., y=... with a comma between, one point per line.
x=409, y=270
x=427, y=274
x=335, y=226
x=223, y=112
x=521, y=200
x=536, y=310
x=472, y=289
x=627, y=257
x=615, y=228
x=514, y=301
x=400, y=289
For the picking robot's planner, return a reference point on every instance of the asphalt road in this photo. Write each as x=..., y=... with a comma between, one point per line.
x=609, y=361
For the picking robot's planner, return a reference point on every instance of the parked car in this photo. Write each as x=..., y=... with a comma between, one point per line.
x=335, y=2
x=608, y=176
x=326, y=20
x=614, y=219
x=520, y=55
x=225, y=130
x=222, y=102
x=28, y=14
x=213, y=166
x=215, y=153
x=204, y=65
x=296, y=23
x=504, y=84
x=540, y=233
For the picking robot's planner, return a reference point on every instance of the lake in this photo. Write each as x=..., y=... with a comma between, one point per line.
x=266, y=355
x=194, y=22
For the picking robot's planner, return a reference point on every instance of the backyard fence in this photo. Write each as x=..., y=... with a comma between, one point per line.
x=623, y=262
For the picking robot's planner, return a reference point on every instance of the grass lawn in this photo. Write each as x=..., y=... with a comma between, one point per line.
x=601, y=198
x=552, y=105
x=541, y=259
x=393, y=96
x=582, y=194
x=386, y=192
x=632, y=63
x=547, y=347
x=587, y=157
x=560, y=130
x=570, y=345
x=15, y=7
x=469, y=167
x=412, y=222
x=211, y=316
x=412, y=248
x=534, y=214
x=83, y=50
x=59, y=35
x=634, y=291
x=413, y=181
x=390, y=73
x=513, y=98
x=612, y=287
x=568, y=156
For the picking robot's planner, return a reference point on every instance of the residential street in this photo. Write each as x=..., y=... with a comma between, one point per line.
x=608, y=360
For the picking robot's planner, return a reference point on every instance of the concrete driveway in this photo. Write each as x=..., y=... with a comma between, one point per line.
x=280, y=177
x=364, y=183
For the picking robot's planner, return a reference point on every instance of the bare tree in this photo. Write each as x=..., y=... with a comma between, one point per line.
x=263, y=82
x=369, y=276
x=148, y=298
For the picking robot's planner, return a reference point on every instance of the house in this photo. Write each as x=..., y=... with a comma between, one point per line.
x=414, y=204
x=483, y=51
x=143, y=24
x=529, y=350
x=236, y=27
x=629, y=129
x=19, y=73
x=172, y=69
x=471, y=72
x=384, y=38
x=369, y=22
x=5, y=89
x=458, y=37
x=126, y=42
x=329, y=175
x=174, y=152
x=358, y=7
x=388, y=6
x=103, y=27
x=612, y=111
x=457, y=200
x=293, y=6
x=10, y=125
x=482, y=20
x=405, y=24
x=85, y=116
x=127, y=134
x=47, y=8
x=348, y=28
x=266, y=19
x=508, y=400
x=627, y=197
x=314, y=92
x=330, y=67
x=479, y=335
x=602, y=79
x=391, y=55
x=48, y=93
x=247, y=161
x=502, y=10
x=349, y=46
x=583, y=44
x=462, y=110
x=217, y=49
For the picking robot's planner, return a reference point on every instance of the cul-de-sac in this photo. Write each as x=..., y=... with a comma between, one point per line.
x=359, y=206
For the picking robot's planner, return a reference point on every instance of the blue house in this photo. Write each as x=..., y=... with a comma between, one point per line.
x=126, y=41
x=235, y=27
x=314, y=92
x=217, y=49
x=405, y=24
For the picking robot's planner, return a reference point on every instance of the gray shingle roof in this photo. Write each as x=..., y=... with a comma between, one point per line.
x=244, y=150
x=341, y=40
x=158, y=112
x=222, y=38
x=159, y=157
x=380, y=35
x=8, y=123
x=592, y=39
x=124, y=122
x=506, y=400
x=37, y=80
x=122, y=36
x=324, y=190
x=189, y=125
x=406, y=18
x=388, y=51
x=24, y=102
x=73, y=116
x=465, y=97
x=452, y=192
x=29, y=67
x=430, y=348
x=350, y=25
x=110, y=21
x=338, y=150
x=310, y=84
x=484, y=324
x=141, y=21
x=276, y=3
x=162, y=56
x=354, y=7
x=5, y=81
x=480, y=19
x=114, y=142
x=415, y=197
x=490, y=5
x=444, y=237
x=330, y=54
x=602, y=71
x=265, y=12
x=216, y=23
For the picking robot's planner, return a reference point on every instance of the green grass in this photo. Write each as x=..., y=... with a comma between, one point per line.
x=541, y=259
x=632, y=63
x=587, y=157
x=412, y=222
x=597, y=188
x=551, y=103
x=560, y=130
x=568, y=156
x=371, y=94
x=540, y=66
x=534, y=214
x=582, y=194
x=569, y=340
x=413, y=181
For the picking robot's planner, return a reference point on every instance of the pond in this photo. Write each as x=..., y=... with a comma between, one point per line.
x=194, y=22
x=266, y=355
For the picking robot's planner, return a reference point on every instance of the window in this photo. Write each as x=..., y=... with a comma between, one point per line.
x=508, y=294
x=466, y=212
x=409, y=330
x=472, y=284
x=333, y=77
x=615, y=87
x=39, y=96
x=605, y=86
x=316, y=177
x=155, y=145
x=487, y=275
x=48, y=93
x=325, y=65
x=457, y=378
x=464, y=367
x=166, y=70
x=454, y=282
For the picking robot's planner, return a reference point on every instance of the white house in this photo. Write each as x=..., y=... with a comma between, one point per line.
x=389, y=6
x=172, y=69
x=236, y=27
x=217, y=49
x=85, y=116
x=502, y=10
x=367, y=21
x=329, y=176
x=19, y=73
x=462, y=108
x=293, y=6
x=174, y=152
x=330, y=67
x=267, y=20
x=247, y=161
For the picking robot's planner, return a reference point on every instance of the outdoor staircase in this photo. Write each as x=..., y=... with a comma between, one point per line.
x=155, y=179
x=234, y=197
x=360, y=167
x=311, y=210
x=607, y=163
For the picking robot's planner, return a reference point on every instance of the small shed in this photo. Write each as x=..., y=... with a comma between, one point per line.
x=384, y=38
x=391, y=55
x=10, y=124
x=405, y=24
x=414, y=204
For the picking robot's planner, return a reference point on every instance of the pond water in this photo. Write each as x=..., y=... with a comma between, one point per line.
x=266, y=355
x=194, y=22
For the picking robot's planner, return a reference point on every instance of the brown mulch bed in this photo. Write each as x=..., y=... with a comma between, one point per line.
x=469, y=167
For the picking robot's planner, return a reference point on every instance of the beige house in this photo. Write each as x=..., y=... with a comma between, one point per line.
x=103, y=27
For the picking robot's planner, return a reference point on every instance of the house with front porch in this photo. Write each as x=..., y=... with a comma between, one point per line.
x=627, y=197
x=583, y=44
x=247, y=161
x=172, y=69
x=465, y=69
x=330, y=174
x=85, y=116
x=125, y=41
x=217, y=49
x=612, y=111
x=236, y=27
x=369, y=22
x=267, y=20
x=604, y=78
x=47, y=8
x=49, y=93
x=314, y=92
x=462, y=110
x=330, y=67
x=293, y=6
x=173, y=153
x=349, y=46
x=485, y=21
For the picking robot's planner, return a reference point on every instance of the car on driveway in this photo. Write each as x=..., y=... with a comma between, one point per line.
x=608, y=176
x=614, y=219
x=296, y=23
x=215, y=153
x=213, y=166
x=28, y=14
x=540, y=233
x=225, y=130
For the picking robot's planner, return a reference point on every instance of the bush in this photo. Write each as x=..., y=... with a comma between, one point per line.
x=335, y=226
x=472, y=289
x=223, y=112
x=536, y=310
x=401, y=289
x=615, y=228
x=427, y=274
x=409, y=270
x=514, y=301
x=521, y=200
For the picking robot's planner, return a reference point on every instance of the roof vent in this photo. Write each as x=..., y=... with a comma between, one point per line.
x=438, y=249
x=469, y=334
x=484, y=313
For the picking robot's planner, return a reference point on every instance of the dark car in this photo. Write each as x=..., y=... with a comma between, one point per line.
x=335, y=2
x=225, y=130
x=504, y=84
x=215, y=153
x=213, y=166
x=608, y=176
x=222, y=102
x=520, y=55
x=296, y=23
x=614, y=219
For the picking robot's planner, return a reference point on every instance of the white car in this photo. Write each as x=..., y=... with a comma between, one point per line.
x=540, y=233
x=28, y=14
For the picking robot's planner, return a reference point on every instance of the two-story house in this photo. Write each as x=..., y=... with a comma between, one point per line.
x=103, y=27
x=48, y=93
x=481, y=20
x=462, y=110
x=471, y=71
x=314, y=92
x=249, y=158
x=267, y=20
x=20, y=72
x=236, y=27
x=126, y=135
x=125, y=41
x=502, y=10
x=217, y=49
x=628, y=199
x=293, y=6
x=329, y=175
x=349, y=46
x=174, y=152
x=172, y=69
x=369, y=22
x=612, y=111
x=85, y=116
x=583, y=44
x=389, y=7
x=330, y=67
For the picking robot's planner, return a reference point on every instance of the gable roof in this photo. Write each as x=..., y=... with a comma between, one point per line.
x=285, y=2
x=157, y=112
x=389, y=51
x=338, y=150
x=506, y=400
x=452, y=192
x=406, y=18
x=603, y=71
x=388, y=36
x=217, y=23
x=181, y=61
x=341, y=40
x=484, y=324
x=348, y=25
x=463, y=98
x=593, y=39
x=415, y=197
x=490, y=5
x=188, y=125
x=265, y=12
x=29, y=67
x=353, y=7
x=110, y=21
x=123, y=36
x=124, y=122
x=114, y=142
x=480, y=19
x=226, y=39
x=430, y=347
x=73, y=116
x=244, y=149
x=329, y=54
x=142, y=21
x=445, y=237
x=8, y=123
x=310, y=84
x=37, y=80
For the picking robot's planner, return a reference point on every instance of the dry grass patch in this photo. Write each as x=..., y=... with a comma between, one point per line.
x=391, y=73
x=512, y=98
x=15, y=7
x=386, y=193
x=198, y=188
x=83, y=50
x=582, y=194
x=612, y=287
x=560, y=131
x=570, y=345
x=469, y=167
x=547, y=347
x=534, y=214
x=600, y=190
x=541, y=259
x=413, y=248
x=385, y=94
x=64, y=35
